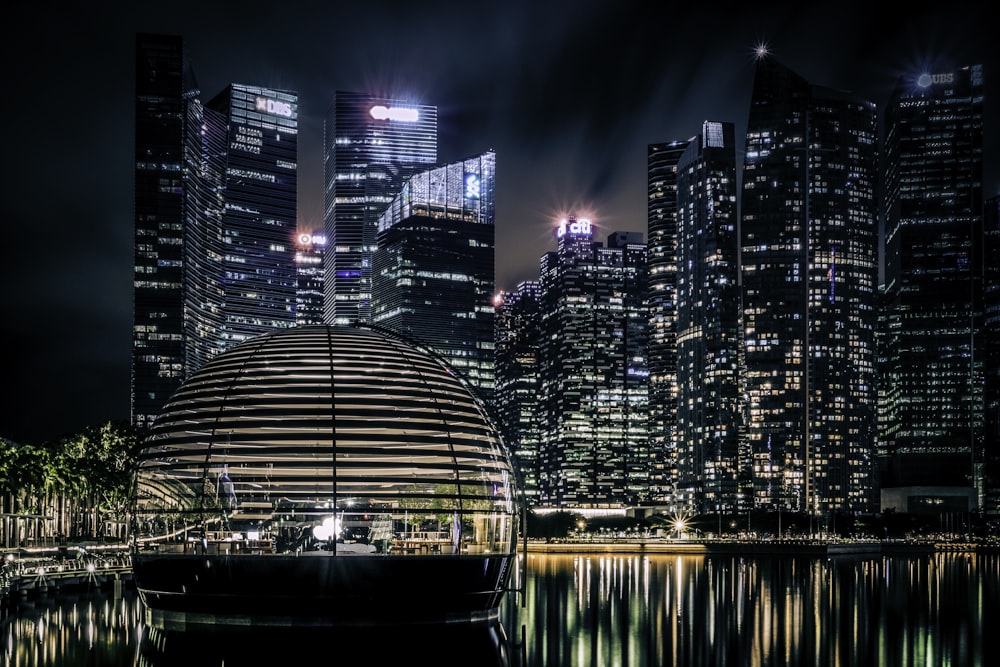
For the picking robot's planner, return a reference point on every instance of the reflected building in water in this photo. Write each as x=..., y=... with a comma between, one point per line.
x=595, y=609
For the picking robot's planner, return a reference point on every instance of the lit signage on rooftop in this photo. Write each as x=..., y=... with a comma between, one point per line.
x=267, y=105
x=312, y=239
x=581, y=227
x=925, y=80
x=380, y=112
x=473, y=186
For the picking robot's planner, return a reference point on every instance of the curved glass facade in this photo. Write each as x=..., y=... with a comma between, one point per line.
x=321, y=441
x=290, y=434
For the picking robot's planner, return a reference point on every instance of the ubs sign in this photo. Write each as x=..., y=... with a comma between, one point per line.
x=926, y=80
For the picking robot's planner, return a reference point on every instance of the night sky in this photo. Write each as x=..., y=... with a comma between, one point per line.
x=568, y=94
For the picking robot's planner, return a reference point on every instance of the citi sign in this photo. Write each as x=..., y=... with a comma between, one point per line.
x=580, y=227
x=935, y=79
x=274, y=107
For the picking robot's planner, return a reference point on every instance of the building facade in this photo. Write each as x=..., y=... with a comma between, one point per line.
x=162, y=82
x=518, y=380
x=931, y=447
x=594, y=403
x=712, y=474
x=991, y=323
x=662, y=303
x=433, y=266
x=215, y=215
x=372, y=145
x=260, y=219
x=178, y=210
x=809, y=240
x=309, y=255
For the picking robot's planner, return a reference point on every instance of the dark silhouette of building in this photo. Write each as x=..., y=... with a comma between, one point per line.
x=931, y=446
x=991, y=324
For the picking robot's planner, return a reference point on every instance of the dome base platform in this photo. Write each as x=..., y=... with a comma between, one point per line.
x=182, y=591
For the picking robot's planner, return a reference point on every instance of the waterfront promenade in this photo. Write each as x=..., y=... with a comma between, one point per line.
x=36, y=573
x=33, y=574
x=736, y=547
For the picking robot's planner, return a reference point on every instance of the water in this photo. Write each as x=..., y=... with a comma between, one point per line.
x=621, y=610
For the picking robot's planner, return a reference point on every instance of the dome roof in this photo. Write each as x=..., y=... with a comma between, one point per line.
x=340, y=430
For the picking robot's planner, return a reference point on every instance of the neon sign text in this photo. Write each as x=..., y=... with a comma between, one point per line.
x=934, y=79
x=379, y=112
x=275, y=107
x=581, y=227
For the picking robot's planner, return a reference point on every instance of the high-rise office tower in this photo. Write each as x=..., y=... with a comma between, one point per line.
x=931, y=454
x=260, y=219
x=662, y=299
x=991, y=324
x=518, y=360
x=809, y=244
x=709, y=392
x=215, y=200
x=372, y=145
x=433, y=267
x=179, y=168
x=593, y=396
x=309, y=297
x=162, y=83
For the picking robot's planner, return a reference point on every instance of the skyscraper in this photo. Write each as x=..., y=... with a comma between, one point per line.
x=991, y=323
x=433, y=266
x=809, y=242
x=215, y=214
x=260, y=219
x=711, y=472
x=309, y=296
x=518, y=363
x=931, y=448
x=177, y=296
x=593, y=396
x=372, y=145
x=662, y=299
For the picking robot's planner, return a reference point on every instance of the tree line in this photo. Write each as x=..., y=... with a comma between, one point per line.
x=75, y=488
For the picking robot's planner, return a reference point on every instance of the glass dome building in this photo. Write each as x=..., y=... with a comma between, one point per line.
x=323, y=474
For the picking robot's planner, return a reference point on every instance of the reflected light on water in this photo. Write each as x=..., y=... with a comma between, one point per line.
x=595, y=610
x=698, y=610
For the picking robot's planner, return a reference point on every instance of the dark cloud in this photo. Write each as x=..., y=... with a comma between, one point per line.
x=569, y=94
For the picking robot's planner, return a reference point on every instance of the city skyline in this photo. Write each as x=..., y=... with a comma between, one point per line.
x=569, y=102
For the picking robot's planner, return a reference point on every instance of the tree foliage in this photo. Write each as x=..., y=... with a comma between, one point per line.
x=90, y=469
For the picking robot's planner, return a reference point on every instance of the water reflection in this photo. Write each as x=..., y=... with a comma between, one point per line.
x=78, y=629
x=623, y=610
x=370, y=645
x=695, y=610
